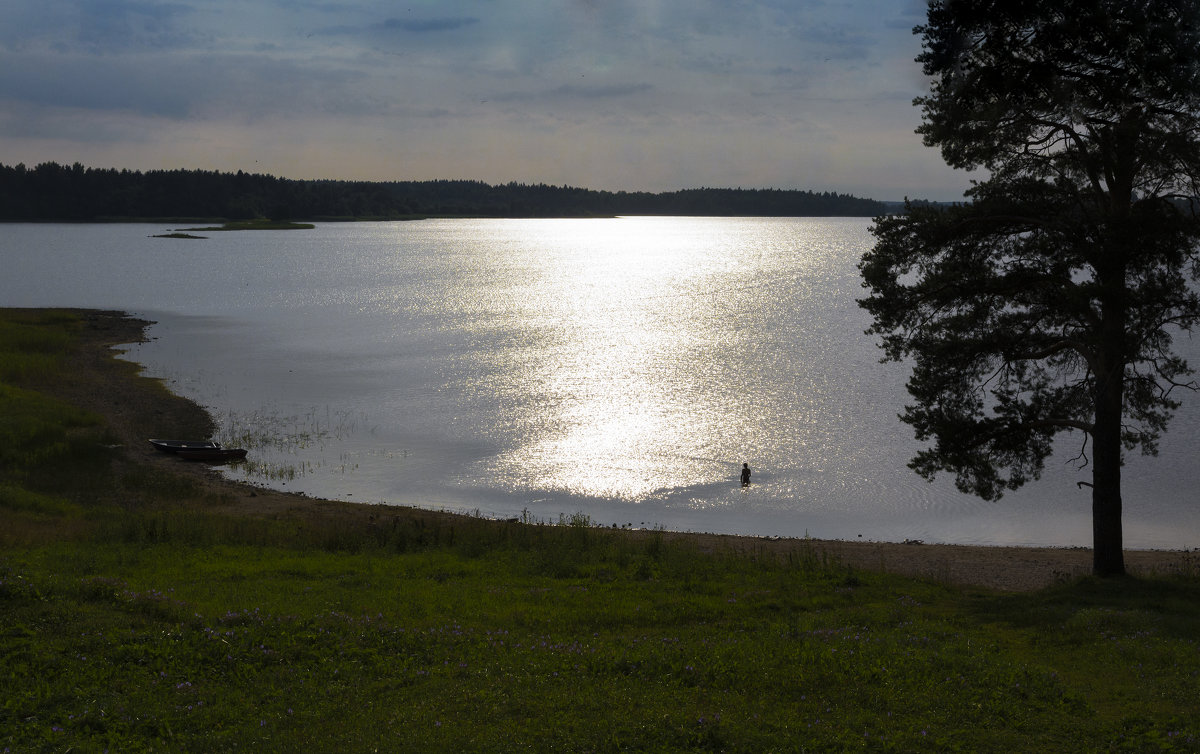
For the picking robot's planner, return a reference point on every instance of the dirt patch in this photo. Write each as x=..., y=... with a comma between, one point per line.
x=138, y=408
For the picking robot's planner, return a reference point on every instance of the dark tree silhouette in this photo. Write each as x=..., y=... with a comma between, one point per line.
x=1048, y=301
x=53, y=192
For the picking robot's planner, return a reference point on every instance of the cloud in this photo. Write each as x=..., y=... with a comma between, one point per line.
x=422, y=26
x=111, y=25
x=601, y=91
x=243, y=87
x=576, y=91
x=86, y=83
x=100, y=26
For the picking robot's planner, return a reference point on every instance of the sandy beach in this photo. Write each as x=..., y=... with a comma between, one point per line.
x=138, y=408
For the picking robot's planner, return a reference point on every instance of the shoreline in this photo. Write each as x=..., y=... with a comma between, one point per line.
x=138, y=407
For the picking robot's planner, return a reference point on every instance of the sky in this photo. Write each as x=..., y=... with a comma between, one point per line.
x=633, y=95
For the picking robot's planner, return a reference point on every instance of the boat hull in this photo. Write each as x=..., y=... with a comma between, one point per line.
x=212, y=455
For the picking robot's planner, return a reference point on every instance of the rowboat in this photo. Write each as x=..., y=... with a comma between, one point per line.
x=199, y=450
x=174, y=446
x=211, y=455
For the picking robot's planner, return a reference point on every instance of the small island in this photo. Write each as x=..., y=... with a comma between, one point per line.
x=259, y=224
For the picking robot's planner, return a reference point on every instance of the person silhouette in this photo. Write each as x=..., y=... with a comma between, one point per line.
x=745, y=475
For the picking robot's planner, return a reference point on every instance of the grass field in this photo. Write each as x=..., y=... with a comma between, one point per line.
x=138, y=613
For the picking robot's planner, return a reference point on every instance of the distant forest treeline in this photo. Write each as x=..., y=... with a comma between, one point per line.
x=53, y=192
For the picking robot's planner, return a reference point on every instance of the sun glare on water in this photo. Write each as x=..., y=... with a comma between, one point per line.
x=622, y=310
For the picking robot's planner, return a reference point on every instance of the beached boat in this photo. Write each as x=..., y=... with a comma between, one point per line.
x=174, y=446
x=199, y=450
x=211, y=455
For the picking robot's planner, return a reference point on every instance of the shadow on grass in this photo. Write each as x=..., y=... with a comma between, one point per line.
x=1168, y=605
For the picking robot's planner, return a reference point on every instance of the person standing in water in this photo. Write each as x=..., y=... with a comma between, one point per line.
x=745, y=475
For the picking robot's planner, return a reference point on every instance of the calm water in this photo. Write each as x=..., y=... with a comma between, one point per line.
x=623, y=368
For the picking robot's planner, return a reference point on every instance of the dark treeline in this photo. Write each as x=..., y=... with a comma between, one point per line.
x=53, y=192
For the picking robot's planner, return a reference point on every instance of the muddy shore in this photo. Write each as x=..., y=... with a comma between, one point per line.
x=138, y=408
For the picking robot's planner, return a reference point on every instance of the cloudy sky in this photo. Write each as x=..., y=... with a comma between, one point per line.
x=607, y=94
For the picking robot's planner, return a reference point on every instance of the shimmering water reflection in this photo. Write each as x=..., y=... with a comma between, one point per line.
x=623, y=368
x=645, y=359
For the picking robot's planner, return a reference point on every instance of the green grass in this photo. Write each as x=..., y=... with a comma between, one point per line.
x=30, y=346
x=39, y=434
x=129, y=644
x=165, y=626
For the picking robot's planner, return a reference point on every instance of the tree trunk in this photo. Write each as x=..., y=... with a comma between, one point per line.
x=1108, y=554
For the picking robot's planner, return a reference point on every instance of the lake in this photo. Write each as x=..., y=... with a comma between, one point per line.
x=621, y=368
